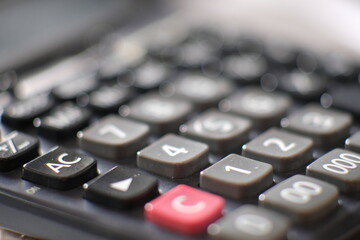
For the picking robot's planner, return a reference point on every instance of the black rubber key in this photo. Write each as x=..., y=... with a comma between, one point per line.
x=17, y=149
x=63, y=122
x=60, y=169
x=122, y=187
x=23, y=112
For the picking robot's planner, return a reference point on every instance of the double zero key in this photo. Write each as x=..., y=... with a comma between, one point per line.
x=302, y=198
x=60, y=169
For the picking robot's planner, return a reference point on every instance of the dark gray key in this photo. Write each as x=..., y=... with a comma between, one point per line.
x=303, y=85
x=346, y=97
x=223, y=132
x=339, y=167
x=302, y=198
x=114, y=137
x=250, y=222
x=122, y=187
x=161, y=113
x=22, y=112
x=245, y=68
x=353, y=142
x=72, y=89
x=237, y=177
x=327, y=127
x=109, y=98
x=60, y=169
x=151, y=74
x=174, y=157
x=263, y=108
x=283, y=150
x=16, y=149
x=202, y=91
x=63, y=121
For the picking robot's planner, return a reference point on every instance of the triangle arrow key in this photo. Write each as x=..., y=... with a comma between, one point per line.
x=122, y=185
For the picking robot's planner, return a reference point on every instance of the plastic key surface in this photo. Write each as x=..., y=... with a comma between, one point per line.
x=185, y=210
x=60, y=169
x=237, y=177
x=173, y=156
x=122, y=187
x=114, y=137
x=16, y=149
x=250, y=223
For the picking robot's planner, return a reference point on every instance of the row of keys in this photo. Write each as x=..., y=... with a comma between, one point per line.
x=327, y=127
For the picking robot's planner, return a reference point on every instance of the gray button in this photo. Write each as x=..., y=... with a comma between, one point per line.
x=161, y=113
x=224, y=133
x=339, y=167
x=326, y=126
x=114, y=137
x=237, y=177
x=285, y=151
x=250, y=223
x=353, y=142
x=302, y=198
x=203, y=91
x=174, y=157
x=264, y=108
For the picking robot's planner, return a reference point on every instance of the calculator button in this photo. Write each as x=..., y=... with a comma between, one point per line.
x=222, y=132
x=60, y=169
x=63, y=121
x=114, y=137
x=250, y=222
x=174, y=157
x=283, y=150
x=122, y=187
x=346, y=97
x=203, y=92
x=72, y=89
x=302, y=198
x=237, y=177
x=109, y=98
x=339, y=167
x=150, y=75
x=17, y=149
x=161, y=113
x=353, y=142
x=303, y=85
x=245, y=68
x=23, y=112
x=326, y=127
x=263, y=108
x=185, y=210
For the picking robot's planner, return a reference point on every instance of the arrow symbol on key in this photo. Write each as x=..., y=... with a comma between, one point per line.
x=122, y=185
x=109, y=128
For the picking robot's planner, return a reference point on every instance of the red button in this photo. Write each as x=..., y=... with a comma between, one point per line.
x=185, y=210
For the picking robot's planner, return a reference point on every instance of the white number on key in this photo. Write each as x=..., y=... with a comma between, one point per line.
x=301, y=192
x=173, y=151
x=280, y=143
x=343, y=164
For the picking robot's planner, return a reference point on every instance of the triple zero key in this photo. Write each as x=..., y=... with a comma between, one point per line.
x=60, y=169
